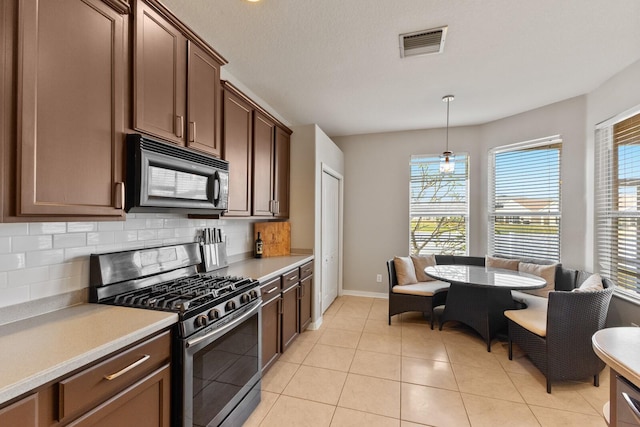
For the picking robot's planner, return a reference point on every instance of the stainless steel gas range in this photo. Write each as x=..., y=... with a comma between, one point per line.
x=217, y=346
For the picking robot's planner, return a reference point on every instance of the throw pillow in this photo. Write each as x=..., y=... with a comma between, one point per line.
x=547, y=272
x=420, y=263
x=405, y=271
x=592, y=284
x=507, y=264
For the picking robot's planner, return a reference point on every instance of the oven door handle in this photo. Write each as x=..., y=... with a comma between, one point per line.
x=225, y=328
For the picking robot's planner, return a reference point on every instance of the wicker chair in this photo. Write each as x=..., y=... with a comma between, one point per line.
x=401, y=303
x=565, y=353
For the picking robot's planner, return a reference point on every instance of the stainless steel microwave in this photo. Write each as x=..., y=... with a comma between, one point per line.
x=163, y=177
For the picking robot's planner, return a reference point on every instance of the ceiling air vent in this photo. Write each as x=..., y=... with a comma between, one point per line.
x=422, y=42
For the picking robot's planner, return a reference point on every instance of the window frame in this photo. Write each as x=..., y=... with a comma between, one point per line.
x=462, y=159
x=606, y=203
x=491, y=194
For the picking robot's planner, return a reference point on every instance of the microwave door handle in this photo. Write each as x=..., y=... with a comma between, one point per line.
x=216, y=189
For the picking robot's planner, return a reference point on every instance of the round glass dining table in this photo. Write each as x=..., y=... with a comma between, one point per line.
x=478, y=296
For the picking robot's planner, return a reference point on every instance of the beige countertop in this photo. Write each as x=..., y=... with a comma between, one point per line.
x=618, y=348
x=263, y=269
x=41, y=349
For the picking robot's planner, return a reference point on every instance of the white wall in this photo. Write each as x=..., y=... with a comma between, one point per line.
x=310, y=149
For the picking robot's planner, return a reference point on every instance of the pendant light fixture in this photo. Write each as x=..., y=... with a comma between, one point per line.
x=447, y=159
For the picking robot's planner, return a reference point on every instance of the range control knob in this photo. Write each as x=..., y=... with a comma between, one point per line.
x=245, y=298
x=201, y=321
x=230, y=306
x=214, y=314
x=253, y=294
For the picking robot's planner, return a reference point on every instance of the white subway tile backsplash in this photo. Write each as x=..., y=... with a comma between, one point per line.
x=31, y=243
x=69, y=240
x=12, y=261
x=36, y=228
x=101, y=238
x=5, y=245
x=40, y=260
x=111, y=226
x=11, y=296
x=125, y=236
x=74, y=254
x=81, y=227
x=27, y=276
x=14, y=229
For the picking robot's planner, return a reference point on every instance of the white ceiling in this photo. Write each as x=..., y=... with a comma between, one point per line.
x=337, y=63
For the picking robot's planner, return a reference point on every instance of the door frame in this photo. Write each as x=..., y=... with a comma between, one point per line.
x=326, y=169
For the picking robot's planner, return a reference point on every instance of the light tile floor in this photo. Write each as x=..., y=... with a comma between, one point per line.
x=356, y=370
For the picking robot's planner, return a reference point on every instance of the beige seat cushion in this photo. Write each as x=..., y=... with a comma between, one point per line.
x=531, y=301
x=405, y=271
x=592, y=284
x=426, y=289
x=547, y=272
x=507, y=264
x=532, y=319
x=420, y=262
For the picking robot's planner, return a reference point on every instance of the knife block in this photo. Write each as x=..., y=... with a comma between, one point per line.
x=215, y=256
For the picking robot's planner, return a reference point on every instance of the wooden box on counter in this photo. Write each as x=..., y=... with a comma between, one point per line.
x=276, y=237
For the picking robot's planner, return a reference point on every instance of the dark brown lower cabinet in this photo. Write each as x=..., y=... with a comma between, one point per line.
x=144, y=404
x=290, y=326
x=305, y=292
x=24, y=412
x=270, y=332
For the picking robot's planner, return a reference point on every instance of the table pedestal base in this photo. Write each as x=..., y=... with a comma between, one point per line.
x=481, y=308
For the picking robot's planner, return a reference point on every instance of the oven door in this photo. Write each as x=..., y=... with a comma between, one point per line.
x=221, y=370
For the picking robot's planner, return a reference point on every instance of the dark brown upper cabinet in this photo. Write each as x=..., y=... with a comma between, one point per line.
x=238, y=147
x=70, y=108
x=176, y=81
x=281, y=173
x=263, y=163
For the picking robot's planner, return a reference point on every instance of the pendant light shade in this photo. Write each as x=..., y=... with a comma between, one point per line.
x=447, y=159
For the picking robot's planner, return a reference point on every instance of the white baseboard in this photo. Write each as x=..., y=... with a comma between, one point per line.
x=365, y=294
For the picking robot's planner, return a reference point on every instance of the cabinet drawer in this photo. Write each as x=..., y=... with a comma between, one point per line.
x=270, y=289
x=290, y=279
x=306, y=270
x=96, y=384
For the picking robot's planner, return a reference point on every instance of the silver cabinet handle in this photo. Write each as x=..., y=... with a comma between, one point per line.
x=192, y=131
x=179, y=126
x=272, y=290
x=127, y=369
x=633, y=405
x=119, y=195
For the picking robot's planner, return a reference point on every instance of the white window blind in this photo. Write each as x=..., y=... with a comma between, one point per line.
x=524, y=199
x=618, y=201
x=438, y=206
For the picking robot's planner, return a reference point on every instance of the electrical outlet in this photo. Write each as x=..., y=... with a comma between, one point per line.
x=379, y=278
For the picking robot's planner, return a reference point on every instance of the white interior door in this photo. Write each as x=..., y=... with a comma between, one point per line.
x=330, y=238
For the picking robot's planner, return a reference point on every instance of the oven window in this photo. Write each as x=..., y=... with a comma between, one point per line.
x=222, y=368
x=176, y=184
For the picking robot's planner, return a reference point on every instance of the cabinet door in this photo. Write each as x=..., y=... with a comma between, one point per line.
x=23, y=413
x=306, y=290
x=281, y=173
x=270, y=332
x=203, y=95
x=145, y=404
x=159, y=76
x=72, y=67
x=290, y=328
x=263, y=146
x=237, y=147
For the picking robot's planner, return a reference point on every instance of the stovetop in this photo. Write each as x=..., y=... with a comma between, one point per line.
x=166, y=278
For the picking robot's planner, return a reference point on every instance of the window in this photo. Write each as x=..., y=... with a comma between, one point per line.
x=617, y=201
x=438, y=207
x=524, y=199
